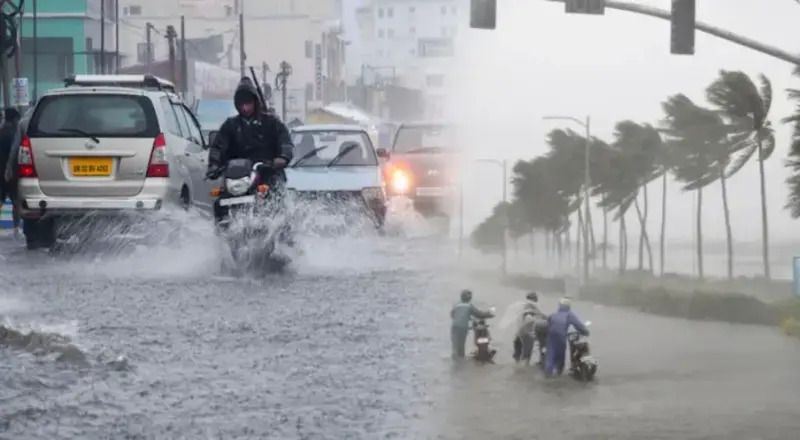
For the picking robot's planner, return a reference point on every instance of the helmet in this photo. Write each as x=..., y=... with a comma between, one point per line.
x=466, y=295
x=564, y=302
x=533, y=296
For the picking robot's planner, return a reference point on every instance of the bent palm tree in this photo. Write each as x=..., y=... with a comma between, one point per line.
x=793, y=181
x=747, y=107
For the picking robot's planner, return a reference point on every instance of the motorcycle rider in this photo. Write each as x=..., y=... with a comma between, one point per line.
x=532, y=327
x=461, y=314
x=558, y=326
x=255, y=134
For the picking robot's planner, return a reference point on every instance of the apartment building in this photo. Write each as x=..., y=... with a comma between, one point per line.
x=410, y=43
x=304, y=33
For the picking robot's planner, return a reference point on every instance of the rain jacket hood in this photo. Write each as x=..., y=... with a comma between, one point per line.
x=246, y=89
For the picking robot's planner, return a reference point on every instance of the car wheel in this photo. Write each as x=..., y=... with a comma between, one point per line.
x=39, y=233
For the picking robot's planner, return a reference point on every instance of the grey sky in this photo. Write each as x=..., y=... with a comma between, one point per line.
x=541, y=61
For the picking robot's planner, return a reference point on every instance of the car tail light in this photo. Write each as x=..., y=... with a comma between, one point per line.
x=158, y=166
x=399, y=178
x=26, y=169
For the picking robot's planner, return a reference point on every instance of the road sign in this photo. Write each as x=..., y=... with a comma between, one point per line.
x=21, y=95
x=592, y=7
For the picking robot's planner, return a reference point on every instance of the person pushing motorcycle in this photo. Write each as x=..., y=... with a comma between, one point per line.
x=255, y=134
x=531, y=328
x=558, y=326
x=461, y=314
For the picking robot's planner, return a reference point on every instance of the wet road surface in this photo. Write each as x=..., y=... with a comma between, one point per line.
x=354, y=345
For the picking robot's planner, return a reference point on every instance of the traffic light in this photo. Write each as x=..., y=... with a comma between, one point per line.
x=483, y=14
x=683, y=18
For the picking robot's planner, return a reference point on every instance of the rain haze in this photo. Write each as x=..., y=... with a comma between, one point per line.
x=181, y=270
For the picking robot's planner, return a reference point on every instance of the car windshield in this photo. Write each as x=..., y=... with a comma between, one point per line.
x=411, y=138
x=101, y=115
x=213, y=112
x=334, y=141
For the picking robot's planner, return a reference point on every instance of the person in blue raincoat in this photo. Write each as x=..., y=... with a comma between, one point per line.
x=461, y=315
x=558, y=325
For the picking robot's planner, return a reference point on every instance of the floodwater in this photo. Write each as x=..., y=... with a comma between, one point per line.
x=353, y=344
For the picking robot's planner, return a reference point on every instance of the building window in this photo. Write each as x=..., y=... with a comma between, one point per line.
x=444, y=10
x=412, y=31
x=391, y=33
x=434, y=80
x=380, y=12
x=380, y=33
x=132, y=10
x=435, y=48
x=390, y=12
x=309, y=49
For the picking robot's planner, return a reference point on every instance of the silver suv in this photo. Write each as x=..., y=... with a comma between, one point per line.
x=105, y=144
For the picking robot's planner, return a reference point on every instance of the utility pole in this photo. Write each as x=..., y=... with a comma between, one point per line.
x=242, y=55
x=117, y=62
x=184, y=60
x=148, y=51
x=4, y=60
x=280, y=83
x=35, y=51
x=102, y=36
x=586, y=184
x=171, y=36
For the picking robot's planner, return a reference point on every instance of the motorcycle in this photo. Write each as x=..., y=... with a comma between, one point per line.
x=483, y=351
x=583, y=366
x=242, y=207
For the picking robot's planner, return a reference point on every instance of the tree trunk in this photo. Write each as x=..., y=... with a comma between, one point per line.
x=532, y=242
x=726, y=210
x=623, y=244
x=663, y=222
x=559, y=249
x=647, y=234
x=605, y=238
x=592, y=243
x=699, y=227
x=764, y=223
x=548, y=250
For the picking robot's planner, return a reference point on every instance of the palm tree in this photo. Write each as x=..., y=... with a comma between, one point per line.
x=747, y=107
x=793, y=203
x=700, y=141
x=488, y=236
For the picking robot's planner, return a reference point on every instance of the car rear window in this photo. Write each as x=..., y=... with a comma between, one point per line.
x=101, y=115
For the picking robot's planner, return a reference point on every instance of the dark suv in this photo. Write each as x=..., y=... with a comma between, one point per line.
x=423, y=166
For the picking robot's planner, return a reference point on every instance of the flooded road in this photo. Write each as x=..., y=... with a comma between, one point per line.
x=354, y=345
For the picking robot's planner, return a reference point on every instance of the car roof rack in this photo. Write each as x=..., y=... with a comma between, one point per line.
x=132, y=81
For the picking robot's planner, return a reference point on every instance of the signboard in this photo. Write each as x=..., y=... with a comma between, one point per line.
x=21, y=95
x=593, y=7
x=796, y=276
x=317, y=73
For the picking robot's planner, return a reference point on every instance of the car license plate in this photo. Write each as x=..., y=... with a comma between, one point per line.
x=90, y=166
x=483, y=340
x=432, y=191
x=237, y=200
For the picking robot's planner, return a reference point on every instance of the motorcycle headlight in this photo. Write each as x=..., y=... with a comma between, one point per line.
x=374, y=193
x=238, y=187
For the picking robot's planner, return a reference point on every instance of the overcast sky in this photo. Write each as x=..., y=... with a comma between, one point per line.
x=541, y=61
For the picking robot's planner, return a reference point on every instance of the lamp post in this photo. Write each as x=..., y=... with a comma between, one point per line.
x=586, y=185
x=504, y=165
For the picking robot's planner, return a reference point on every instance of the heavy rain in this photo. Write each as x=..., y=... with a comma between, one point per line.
x=430, y=156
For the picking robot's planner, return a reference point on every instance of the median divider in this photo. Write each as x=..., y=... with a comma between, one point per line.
x=698, y=303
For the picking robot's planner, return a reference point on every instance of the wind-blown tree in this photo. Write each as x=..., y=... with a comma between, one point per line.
x=641, y=143
x=746, y=107
x=488, y=237
x=793, y=181
x=699, y=138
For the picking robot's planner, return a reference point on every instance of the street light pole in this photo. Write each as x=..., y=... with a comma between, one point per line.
x=587, y=183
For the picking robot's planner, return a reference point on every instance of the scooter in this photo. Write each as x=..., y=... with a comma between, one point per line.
x=583, y=366
x=484, y=353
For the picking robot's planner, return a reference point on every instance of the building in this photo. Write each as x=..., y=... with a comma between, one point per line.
x=304, y=33
x=410, y=43
x=67, y=41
